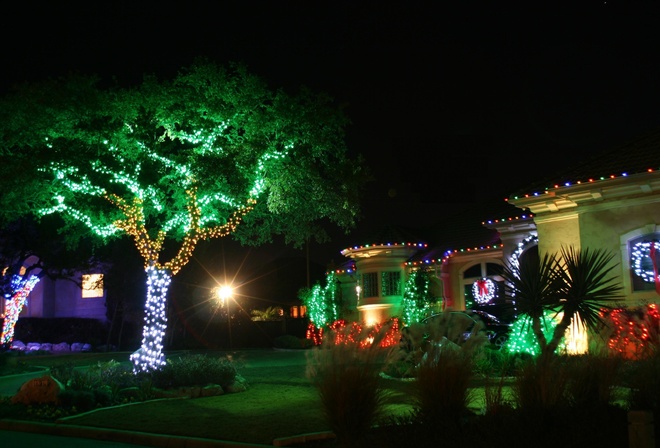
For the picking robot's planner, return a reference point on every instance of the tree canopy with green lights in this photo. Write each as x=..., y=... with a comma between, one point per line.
x=174, y=162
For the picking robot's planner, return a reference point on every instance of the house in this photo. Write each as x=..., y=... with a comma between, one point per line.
x=82, y=297
x=611, y=202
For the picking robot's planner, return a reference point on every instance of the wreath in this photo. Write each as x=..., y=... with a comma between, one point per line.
x=643, y=260
x=484, y=290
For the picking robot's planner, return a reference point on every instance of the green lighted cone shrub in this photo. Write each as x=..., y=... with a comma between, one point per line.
x=347, y=378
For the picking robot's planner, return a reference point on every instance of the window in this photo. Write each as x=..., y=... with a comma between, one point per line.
x=391, y=283
x=92, y=285
x=644, y=253
x=298, y=311
x=369, y=285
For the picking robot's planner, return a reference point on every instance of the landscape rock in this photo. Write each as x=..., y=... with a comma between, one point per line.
x=212, y=390
x=240, y=384
x=42, y=390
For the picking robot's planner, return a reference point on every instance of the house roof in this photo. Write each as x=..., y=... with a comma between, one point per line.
x=467, y=230
x=636, y=156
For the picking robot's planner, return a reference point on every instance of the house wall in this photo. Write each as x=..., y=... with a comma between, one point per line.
x=605, y=216
x=62, y=298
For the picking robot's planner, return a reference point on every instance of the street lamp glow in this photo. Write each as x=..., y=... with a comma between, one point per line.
x=224, y=292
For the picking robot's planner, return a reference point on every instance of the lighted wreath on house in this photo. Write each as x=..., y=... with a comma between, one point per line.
x=483, y=290
x=644, y=256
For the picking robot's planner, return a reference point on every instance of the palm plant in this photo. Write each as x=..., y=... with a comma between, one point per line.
x=586, y=287
x=269, y=314
x=533, y=284
x=575, y=284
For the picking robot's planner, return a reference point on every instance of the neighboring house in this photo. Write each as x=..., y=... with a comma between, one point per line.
x=65, y=298
x=611, y=202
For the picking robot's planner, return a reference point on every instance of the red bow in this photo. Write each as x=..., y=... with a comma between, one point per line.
x=656, y=278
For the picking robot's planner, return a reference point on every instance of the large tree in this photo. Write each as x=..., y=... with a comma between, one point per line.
x=174, y=162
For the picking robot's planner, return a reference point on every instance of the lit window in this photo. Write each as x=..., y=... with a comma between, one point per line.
x=391, y=283
x=369, y=285
x=92, y=285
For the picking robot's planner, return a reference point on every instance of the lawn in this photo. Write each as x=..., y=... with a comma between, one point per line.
x=281, y=402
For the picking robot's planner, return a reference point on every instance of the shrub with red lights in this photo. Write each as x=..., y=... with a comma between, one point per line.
x=634, y=330
x=352, y=333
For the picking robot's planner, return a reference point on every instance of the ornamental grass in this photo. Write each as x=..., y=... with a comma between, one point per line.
x=347, y=379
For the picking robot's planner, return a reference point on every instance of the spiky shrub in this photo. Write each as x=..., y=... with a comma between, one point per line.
x=642, y=379
x=541, y=385
x=496, y=401
x=593, y=380
x=347, y=378
x=442, y=391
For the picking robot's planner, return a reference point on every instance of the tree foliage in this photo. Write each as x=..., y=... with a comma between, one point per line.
x=179, y=158
x=171, y=163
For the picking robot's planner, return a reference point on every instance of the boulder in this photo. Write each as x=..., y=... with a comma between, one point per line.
x=42, y=390
x=240, y=384
x=212, y=390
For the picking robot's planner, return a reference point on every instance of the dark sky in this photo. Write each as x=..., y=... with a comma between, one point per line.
x=453, y=106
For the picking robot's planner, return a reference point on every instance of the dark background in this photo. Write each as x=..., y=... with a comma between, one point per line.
x=454, y=104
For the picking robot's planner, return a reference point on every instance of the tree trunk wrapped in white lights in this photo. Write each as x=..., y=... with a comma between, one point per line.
x=155, y=321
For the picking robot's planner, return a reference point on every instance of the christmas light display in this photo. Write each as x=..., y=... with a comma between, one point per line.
x=174, y=162
x=634, y=330
x=580, y=182
x=355, y=334
x=484, y=290
x=13, y=306
x=321, y=302
x=522, y=246
x=644, y=261
x=523, y=340
x=416, y=297
x=134, y=205
x=150, y=355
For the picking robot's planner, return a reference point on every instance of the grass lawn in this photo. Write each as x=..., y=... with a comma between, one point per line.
x=279, y=402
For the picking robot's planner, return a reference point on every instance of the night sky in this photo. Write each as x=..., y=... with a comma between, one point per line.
x=453, y=106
